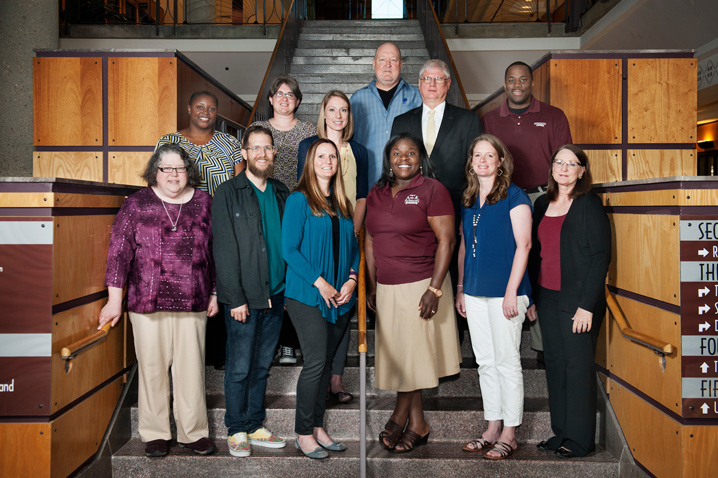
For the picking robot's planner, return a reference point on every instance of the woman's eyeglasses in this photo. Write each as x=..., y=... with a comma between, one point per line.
x=281, y=94
x=569, y=164
x=167, y=169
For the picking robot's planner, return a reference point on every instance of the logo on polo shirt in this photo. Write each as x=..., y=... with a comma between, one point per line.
x=411, y=199
x=539, y=123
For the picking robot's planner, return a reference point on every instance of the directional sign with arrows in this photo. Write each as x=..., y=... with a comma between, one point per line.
x=699, y=316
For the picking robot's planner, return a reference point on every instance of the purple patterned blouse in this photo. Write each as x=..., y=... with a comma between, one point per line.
x=163, y=269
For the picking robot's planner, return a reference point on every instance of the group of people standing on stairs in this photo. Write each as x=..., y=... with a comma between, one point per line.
x=264, y=233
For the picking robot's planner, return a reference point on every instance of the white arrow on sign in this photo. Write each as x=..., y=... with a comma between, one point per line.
x=703, y=309
x=705, y=408
x=703, y=292
x=703, y=252
x=703, y=327
x=704, y=368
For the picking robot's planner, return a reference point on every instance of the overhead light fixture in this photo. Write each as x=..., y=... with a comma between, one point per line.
x=706, y=144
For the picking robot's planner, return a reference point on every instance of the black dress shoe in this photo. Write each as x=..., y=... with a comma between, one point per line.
x=563, y=452
x=543, y=446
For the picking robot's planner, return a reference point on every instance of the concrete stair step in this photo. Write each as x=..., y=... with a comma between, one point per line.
x=382, y=36
x=451, y=419
x=359, y=51
x=283, y=381
x=361, y=43
x=439, y=459
x=408, y=71
x=406, y=28
x=348, y=60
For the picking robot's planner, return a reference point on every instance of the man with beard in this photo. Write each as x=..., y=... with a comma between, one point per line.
x=246, y=226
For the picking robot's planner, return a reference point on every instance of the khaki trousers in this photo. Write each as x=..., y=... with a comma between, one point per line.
x=174, y=341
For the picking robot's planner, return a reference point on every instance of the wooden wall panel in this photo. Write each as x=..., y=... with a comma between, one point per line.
x=662, y=100
x=90, y=368
x=67, y=101
x=542, y=83
x=67, y=164
x=77, y=433
x=646, y=255
x=658, y=163
x=126, y=168
x=142, y=99
x=656, y=446
x=699, y=450
x=605, y=165
x=665, y=197
x=189, y=81
x=79, y=255
x=639, y=365
x=25, y=449
x=589, y=93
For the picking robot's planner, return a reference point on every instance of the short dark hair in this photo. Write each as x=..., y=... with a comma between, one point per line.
x=519, y=63
x=291, y=82
x=427, y=170
x=256, y=129
x=150, y=173
x=583, y=184
x=197, y=94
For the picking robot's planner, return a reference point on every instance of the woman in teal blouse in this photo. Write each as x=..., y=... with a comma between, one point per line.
x=322, y=256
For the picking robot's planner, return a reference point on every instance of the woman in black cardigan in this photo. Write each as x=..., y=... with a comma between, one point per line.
x=569, y=261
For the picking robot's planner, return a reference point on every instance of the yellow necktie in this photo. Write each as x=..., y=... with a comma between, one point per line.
x=430, y=132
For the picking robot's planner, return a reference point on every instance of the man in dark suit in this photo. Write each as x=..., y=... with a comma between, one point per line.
x=447, y=132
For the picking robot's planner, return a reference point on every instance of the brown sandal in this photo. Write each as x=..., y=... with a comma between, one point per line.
x=479, y=444
x=409, y=440
x=391, y=434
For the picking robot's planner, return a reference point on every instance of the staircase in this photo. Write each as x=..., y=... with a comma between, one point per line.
x=337, y=54
x=453, y=410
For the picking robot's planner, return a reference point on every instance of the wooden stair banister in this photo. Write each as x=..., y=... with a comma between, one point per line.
x=658, y=346
x=74, y=349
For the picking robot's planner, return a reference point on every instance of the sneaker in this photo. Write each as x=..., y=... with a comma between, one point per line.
x=288, y=356
x=156, y=448
x=238, y=445
x=263, y=437
x=203, y=446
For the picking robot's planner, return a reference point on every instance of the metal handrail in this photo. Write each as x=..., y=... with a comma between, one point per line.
x=76, y=348
x=361, y=316
x=658, y=346
x=281, y=57
x=436, y=44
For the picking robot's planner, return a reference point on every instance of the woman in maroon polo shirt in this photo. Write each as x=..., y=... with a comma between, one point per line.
x=409, y=241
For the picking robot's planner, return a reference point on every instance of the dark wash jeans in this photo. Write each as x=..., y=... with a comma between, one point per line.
x=319, y=341
x=251, y=346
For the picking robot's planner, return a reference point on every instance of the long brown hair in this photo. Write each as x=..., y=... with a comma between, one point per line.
x=309, y=186
x=322, y=121
x=502, y=181
x=583, y=184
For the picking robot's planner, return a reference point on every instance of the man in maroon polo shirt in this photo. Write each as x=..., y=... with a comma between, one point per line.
x=532, y=130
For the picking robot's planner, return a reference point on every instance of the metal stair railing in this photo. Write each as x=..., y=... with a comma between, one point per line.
x=438, y=49
x=281, y=58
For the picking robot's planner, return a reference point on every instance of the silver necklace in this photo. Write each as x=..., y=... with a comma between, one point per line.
x=174, y=223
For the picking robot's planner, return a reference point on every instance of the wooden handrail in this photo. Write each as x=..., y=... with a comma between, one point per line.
x=74, y=349
x=658, y=346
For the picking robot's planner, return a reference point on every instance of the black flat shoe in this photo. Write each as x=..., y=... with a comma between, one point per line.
x=544, y=446
x=563, y=452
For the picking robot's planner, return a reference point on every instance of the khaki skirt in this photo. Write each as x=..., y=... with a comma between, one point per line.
x=412, y=353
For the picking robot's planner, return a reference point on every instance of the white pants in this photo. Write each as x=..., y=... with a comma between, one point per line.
x=175, y=340
x=496, y=341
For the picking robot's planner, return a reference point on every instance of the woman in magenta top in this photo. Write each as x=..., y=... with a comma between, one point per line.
x=409, y=241
x=569, y=262
x=161, y=249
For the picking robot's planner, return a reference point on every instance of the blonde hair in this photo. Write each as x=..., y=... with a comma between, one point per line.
x=309, y=186
x=348, y=131
x=501, y=182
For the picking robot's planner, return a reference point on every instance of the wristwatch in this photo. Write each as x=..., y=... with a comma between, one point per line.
x=437, y=292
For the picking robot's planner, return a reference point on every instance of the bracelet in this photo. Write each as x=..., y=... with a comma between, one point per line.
x=460, y=285
x=354, y=279
x=213, y=293
x=352, y=274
